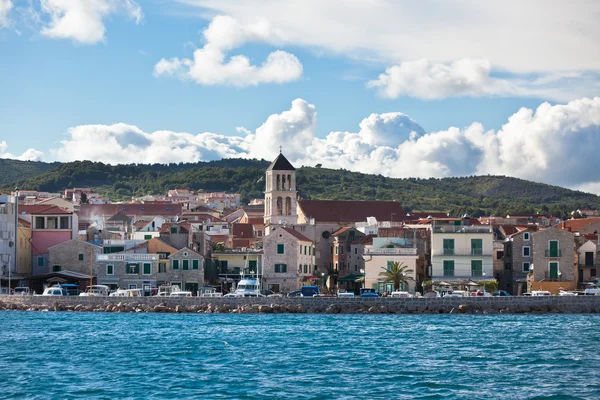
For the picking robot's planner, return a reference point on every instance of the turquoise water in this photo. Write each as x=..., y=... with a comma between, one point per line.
x=159, y=356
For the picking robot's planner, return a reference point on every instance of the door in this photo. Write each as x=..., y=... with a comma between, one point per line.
x=191, y=287
x=553, y=269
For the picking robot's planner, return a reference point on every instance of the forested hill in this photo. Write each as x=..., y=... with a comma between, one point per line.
x=476, y=195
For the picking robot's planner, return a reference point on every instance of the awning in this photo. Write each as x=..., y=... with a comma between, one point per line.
x=310, y=278
x=350, y=278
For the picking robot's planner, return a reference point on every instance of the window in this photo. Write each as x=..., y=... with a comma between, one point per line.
x=476, y=268
x=147, y=237
x=355, y=268
x=133, y=286
x=175, y=264
x=336, y=266
x=162, y=268
x=133, y=269
x=553, y=270
x=331, y=249
x=56, y=268
x=40, y=261
x=259, y=233
x=51, y=222
x=508, y=249
x=553, y=249
x=195, y=264
x=305, y=249
x=65, y=223
x=499, y=255
x=336, y=249
x=356, y=250
x=448, y=247
x=305, y=268
x=477, y=247
x=526, y=266
x=40, y=223
x=526, y=251
x=526, y=236
x=110, y=269
x=300, y=249
x=508, y=266
x=147, y=269
x=280, y=268
x=449, y=266
x=186, y=264
x=280, y=248
x=341, y=249
x=592, y=271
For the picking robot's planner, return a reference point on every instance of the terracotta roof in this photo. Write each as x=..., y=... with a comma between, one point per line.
x=434, y=214
x=351, y=211
x=200, y=217
x=166, y=227
x=256, y=221
x=140, y=224
x=203, y=209
x=130, y=209
x=281, y=164
x=591, y=236
x=296, y=234
x=219, y=238
x=575, y=225
x=242, y=231
x=509, y=229
x=42, y=209
x=26, y=224
x=342, y=230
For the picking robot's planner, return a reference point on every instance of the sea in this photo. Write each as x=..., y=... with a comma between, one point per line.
x=48, y=355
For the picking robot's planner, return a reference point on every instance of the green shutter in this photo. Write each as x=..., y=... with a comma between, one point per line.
x=147, y=237
x=110, y=269
x=476, y=268
x=448, y=247
x=477, y=247
x=448, y=267
x=280, y=248
x=186, y=264
x=175, y=264
x=40, y=261
x=147, y=268
x=553, y=266
x=195, y=264
x=173, y=229
x=283, y=267
x=553, y=248
x=80, y=257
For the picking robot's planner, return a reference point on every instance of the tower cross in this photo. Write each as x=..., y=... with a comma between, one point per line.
x=280, y=148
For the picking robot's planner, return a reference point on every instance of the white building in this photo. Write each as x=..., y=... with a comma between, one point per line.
x=461, y=250
x=7, y=239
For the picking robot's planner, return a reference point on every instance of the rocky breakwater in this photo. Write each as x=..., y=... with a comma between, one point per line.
x=446, y=305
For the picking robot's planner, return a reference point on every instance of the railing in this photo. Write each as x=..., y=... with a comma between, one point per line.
x=462, y=229
x=592, y=265
x=411, y=251
x=127, y=257
x=553, y=254
x=461, y=252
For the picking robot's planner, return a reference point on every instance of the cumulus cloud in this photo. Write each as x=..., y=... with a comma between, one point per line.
x=210, y=65
x=5, y=7
x=555, y=144
x=83, y=21
x=472, y=77
x=28, y=155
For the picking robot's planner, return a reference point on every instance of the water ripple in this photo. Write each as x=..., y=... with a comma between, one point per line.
x=163, y=356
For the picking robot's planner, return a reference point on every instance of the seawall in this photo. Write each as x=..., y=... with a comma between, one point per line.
x=322, y=305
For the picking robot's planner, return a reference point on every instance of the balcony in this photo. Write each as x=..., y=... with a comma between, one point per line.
x=396, y=251
x=553, y=253
x=462, y=229
x=125, y=257
x=462, y=252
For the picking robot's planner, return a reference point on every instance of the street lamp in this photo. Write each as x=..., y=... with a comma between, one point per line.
x=362, y=271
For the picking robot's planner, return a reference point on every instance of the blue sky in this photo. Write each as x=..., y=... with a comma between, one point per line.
x=347, y=83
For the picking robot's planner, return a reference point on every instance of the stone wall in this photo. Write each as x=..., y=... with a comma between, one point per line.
x=444, y=305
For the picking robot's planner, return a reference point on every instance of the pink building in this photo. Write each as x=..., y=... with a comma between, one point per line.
x=50, y=225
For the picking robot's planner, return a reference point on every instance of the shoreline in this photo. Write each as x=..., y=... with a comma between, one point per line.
x=308, y=305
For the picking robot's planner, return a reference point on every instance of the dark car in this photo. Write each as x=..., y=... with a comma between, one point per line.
x=501, y=293
x=295, y=293
x=266, y=292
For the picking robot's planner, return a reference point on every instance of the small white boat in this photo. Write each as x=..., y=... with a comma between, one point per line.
x=119, y=293
x=55, y=290
x=96, y=291
x=180, y=294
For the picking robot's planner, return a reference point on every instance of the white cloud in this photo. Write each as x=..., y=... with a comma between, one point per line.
x=555, y=144
x=5, y=7
x=471, y=77
x=210, y=65
x=523, y=37
x=28, y=155
x=83, y=21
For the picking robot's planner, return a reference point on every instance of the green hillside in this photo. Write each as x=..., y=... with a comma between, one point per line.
x=476, y=195
x=13, y=170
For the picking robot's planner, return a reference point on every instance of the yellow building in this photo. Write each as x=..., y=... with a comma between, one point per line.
x=24, y=248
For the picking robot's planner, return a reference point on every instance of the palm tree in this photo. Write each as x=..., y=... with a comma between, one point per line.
x=398, y=273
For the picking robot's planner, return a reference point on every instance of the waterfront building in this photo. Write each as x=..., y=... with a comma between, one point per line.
x=553, y=260
x=518, y=258
x=461, y=249
x=8, y=240
x=381, y=254
x=587, y=256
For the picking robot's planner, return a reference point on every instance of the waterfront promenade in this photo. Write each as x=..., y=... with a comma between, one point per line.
x=319, y=305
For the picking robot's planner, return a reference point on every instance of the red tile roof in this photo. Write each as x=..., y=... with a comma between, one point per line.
x=24, y=223
x=575, y=225
x=296, y=234
x=256, y=221
x=42, y=209
x=130, y=209
x=352, y=210
x=418, y=215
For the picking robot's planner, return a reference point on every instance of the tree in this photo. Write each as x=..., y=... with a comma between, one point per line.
x=84, y=199
x=397, y=273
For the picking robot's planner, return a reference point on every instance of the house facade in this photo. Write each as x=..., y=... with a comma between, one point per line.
x=379, y=257
x=289, y=260
x=74, y=255
x=587, y=255
x=461, y=250
x=553, y=260
x=518, y=259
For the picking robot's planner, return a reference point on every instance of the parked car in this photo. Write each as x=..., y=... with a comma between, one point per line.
x=267, y=292
x=295, y=293
x=233, y=294
x=345, y=294
x=482, y=294
x=457, y=293
x=401, y=294
x=368, y=292
x=501, y=293
x=310, y=291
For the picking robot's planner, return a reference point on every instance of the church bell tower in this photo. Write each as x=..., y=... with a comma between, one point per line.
x=280, y=193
